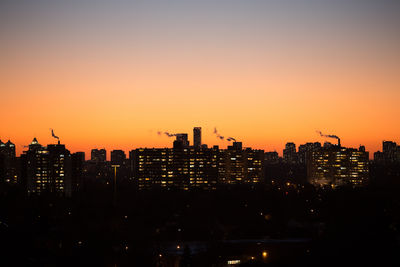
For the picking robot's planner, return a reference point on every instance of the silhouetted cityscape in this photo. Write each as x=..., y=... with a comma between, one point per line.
x=199, y=133
x=194, y=205
x=54, y=169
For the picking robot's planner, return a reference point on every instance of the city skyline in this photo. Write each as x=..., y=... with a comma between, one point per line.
x=185, y=166
x=267, y=72
x=199, y=133
x=222, y=142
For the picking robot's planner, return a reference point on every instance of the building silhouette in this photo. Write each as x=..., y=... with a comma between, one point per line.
x=77, y=171
x=289, y=153
x=47, y=169
x=181, y=141
x=305, y=150
x=98, y=155
x=390, y=153
x=238, y=166
x=328, y=144
x=189, y=168
x=8, y=162
x=271, y=157
x=338, y=166
x=118, y=157
x=197, y=137
x=379, y=157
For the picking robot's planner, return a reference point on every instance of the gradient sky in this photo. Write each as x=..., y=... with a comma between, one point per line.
x=113, y=73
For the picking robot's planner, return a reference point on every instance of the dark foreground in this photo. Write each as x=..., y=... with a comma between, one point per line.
x=269, y=225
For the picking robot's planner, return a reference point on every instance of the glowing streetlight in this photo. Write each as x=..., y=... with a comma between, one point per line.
x=265, y=254
x=115, y=183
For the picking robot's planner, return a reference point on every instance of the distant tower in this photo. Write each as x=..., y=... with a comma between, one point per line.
x=389, y=151
x=181, y=140
x=98, y=155
x=8, y=162
x=47, y=169
x=118, y=157
x=289, y=153
x=197, y=137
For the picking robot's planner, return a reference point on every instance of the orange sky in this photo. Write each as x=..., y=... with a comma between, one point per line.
x=264, y=86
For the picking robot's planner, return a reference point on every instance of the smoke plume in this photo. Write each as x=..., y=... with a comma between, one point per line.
x=328, y=135
x=217, y=134
x=222, y=137
x=166, y=133
x=55, y=136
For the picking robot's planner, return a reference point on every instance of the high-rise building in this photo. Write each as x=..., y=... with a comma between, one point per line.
x=153, y=168
x=175, y=168
x=7, y=149
x=197, y=137
x=118, y=157
x=338, y=166
x=238, y=166
x=77, y=169
x=98, y=155
x=397, y=155
x=60, y=168
x=47, y=169
x=389, y=150
x=204, y=146
x=253, y=166
x=131, y=164
x=289, y=153
x=328, y=144
x=379, y=157
x=390, y=153
x=271, y=157
x=236, y=146
x=187, y=168
x=203, y=168
x=181, y=141
x=306, y=149
x=8, y=162
x=2, y=169
x=232, y=163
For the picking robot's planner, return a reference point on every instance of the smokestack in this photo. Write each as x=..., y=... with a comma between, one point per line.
x=330, y=136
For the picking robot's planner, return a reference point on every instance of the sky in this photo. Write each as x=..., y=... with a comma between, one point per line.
x=113, y=73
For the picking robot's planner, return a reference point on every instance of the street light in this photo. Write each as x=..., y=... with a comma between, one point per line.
x=115, y=183
x=265, y=254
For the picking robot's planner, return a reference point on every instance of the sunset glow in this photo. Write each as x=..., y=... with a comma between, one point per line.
x=263, y=72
